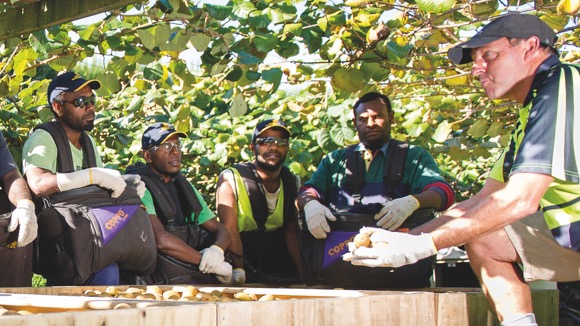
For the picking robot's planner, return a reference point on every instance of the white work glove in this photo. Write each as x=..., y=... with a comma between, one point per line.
x=223, y=273
x=135, y=181
x=316, y=215
x=399, y=249
x=238, y=276
x=24, y=216
x=395, y=212
x=211, y=258
x=106, y=178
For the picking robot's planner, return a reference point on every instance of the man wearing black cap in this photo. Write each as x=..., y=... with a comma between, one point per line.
x=508, y=243
x=176, y=209
x=255, y=201
x=72, y=101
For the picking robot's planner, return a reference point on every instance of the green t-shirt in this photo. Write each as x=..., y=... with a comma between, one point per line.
x=205, y=215
x=40, y=151
x=420, y=170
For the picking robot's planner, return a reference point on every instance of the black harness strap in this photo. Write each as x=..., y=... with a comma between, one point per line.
x=165, y=205
x=392, y=173
x=64, y=156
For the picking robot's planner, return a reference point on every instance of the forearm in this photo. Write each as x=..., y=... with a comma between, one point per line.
x=291, y=236
x=455, y=211
x=499, y=205
x=42, y=182
x=222, y=237
x=429, y=199
x=171, y=245
x=237, y=249
x=16, y=187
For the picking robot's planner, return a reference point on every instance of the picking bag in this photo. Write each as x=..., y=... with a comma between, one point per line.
x=19, y=260
x=83, y=230
x=322, y=258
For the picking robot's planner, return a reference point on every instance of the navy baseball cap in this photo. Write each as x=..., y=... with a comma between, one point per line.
x=68, y=82
x=269, y=124
x=157, y=133
x=516, y=25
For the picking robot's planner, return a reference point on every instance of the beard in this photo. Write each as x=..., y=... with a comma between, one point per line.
x=266, y=166
x=85, y=123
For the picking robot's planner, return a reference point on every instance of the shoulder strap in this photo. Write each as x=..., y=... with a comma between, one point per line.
x=164, y=206
x=190, y=197
x=257, y=198
x=355, y=172
x=394, y=165
x=64, y=156
x=290, y=192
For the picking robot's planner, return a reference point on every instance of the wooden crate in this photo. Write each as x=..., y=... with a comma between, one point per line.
x=437, y=307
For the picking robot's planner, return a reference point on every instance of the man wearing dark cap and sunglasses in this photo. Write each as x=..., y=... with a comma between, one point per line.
x=72, y=101
x=190, y=240
x=508, y=242
x=255, y=201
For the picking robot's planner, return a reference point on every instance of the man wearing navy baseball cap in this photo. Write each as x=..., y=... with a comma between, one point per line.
x=508, y=241
x=72, y=100
x=255, y=201
x=190, y=240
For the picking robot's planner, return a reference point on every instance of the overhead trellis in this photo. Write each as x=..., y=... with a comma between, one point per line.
x=24, y=17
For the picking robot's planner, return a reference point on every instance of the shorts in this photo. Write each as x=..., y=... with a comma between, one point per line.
x=543, y=258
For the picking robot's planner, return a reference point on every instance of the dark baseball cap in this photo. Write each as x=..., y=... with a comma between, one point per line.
x=269, y=124
x=516, y=25
x=68, y=82
x=157, y=133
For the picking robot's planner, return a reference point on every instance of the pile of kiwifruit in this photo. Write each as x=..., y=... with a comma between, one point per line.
x=177, y=293
x=8, y=312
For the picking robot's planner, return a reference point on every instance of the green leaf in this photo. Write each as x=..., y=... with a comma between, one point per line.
x=265, y=43
x=273, y=76
x=218, y=12
x=200, y=41
x=235, y=74
x=22, y=59
x=242, y=9
x=341, y=134
x=248, y=59
x=397, y=53
x=238, y=106
x=375, y=71
x=109, y=83
x=323, y=138
x=322, y=23
x=442, y=132
x=435, y=6
x=478, y=129
x=252, y=75
x=294, y=29
x=154, y=72
x=147, y=38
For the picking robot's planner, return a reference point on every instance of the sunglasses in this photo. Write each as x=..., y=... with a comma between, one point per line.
x=262, y=141
x=82, y=101
x=168, y=147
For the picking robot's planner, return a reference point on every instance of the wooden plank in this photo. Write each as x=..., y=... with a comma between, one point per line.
x=471, y=308
x=31, y=17
x=203, y=314
x=407, y=308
